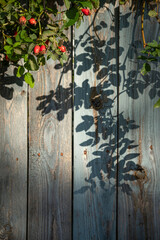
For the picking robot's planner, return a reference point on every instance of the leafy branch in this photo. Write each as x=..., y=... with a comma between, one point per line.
x=33, y=35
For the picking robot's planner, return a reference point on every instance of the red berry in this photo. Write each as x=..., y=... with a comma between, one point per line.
x=62, y=48
x=47, y=42
x=22, y=20
x=85, y=11
x=36, y=49
x=7, y=58
x=15, y=34
x=32, y=21
x=42, y=49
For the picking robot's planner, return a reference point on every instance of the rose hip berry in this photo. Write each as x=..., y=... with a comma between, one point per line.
x=32, y=21
x=22, y=20
x=42, y=49
x=6, y=58
x=47, y=42
x=15, y=34
x=85, y=11
x=62, y=48
x=36, y=49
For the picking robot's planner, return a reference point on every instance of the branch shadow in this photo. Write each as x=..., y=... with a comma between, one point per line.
x=93, y=53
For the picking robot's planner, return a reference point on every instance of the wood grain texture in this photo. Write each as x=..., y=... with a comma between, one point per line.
x=50, y=156
x=13, y=156
x=139, y=192
x=95, y=126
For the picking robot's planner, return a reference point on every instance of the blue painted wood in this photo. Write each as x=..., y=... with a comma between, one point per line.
x=50, y=153
x=95, y=126
x=139, y=162
x=13, y=156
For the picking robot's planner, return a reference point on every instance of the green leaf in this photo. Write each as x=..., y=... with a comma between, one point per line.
x=9, y=41
x=157, y=104
x=67, y=3
x=26, y=57
x=23, y=34
x=145, y=69
x=20, y=71
x=28, y=17
x=33, y=63
x=72, y=16
x=61, y=61
x=153, y=44
x=142, y=57
x=8, y=49
x=64, y=57
x=54, y=56
x=47, y=33
x=16, y=44
x=96, y=3
x=33, y=36
x=18, y=51
x=28, y=39
x=2, y=2
x=41, y=60
x=86, y=4
x=152, y=13
x=29, y=79
x=31, y=47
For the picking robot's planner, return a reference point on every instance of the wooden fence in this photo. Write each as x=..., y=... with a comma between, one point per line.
x=80, y=153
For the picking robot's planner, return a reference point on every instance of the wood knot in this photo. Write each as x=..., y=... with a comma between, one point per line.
x=141, y=174
x=95, y=99
x=96, y=102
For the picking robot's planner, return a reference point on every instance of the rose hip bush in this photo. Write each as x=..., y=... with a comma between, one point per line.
x=31, y=35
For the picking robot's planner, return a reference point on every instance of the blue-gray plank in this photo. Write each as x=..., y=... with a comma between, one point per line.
x=13, y=156
x=139, y=162
x=95, y=127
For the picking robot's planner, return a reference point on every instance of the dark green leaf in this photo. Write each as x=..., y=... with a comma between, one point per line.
x=86, y=4
x=72, y=16
x=23, y=34
x=33, y=36
x=33, y=63
x=145, y=69
x=47, y=33
x=20, y=71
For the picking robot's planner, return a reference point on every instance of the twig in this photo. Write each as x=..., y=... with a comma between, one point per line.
x=142, y=26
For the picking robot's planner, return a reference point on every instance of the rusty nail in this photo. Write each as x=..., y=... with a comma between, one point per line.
x=85, y=152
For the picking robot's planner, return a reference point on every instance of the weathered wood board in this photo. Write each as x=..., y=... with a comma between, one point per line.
x=13, y=156
x=139, y=161
x=50, y=153
x=95, y=127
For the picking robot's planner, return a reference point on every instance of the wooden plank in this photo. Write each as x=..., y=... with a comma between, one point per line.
x=50, y=156
x=139, y=191
x=95, y=126
x=13, y=156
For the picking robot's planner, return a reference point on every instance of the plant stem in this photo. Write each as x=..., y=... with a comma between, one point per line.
x=142, y=26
